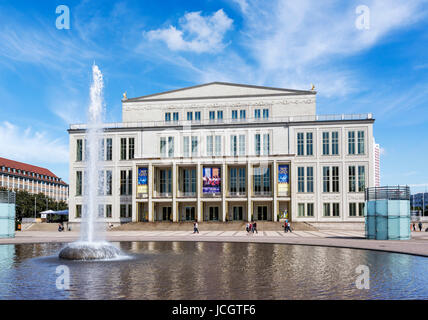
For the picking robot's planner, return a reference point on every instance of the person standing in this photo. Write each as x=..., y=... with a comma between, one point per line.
x=247, y=227
x=255, y=227
x=420, y=226
x=414, y=226
x=289, y=227
x=285, y=226
x=195, y=227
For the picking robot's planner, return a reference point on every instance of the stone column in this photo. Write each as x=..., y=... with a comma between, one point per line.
x=223, y=190
x=275, y=191
x=174, y=193
x=249, y=191
x=150, y=191
x=199, y=192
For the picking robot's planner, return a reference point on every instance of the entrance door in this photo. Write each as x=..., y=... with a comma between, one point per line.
x=189, y=213
x=213, y=213
x=166, y=213
x=262, y=213
x=237, y=213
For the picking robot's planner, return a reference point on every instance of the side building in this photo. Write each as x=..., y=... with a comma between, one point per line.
x=228, y=152
x=16, y=175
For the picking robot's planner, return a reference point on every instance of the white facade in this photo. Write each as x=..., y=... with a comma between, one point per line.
x=245, y=131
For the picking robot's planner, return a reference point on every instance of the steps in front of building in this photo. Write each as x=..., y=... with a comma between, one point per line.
x=211, y=226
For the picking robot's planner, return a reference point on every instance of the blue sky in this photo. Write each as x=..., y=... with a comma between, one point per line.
x=144, y=47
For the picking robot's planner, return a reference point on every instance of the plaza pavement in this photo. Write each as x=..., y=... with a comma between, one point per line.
x=418, y=245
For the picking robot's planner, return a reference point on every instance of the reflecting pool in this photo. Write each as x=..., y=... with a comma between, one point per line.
x=211, y=270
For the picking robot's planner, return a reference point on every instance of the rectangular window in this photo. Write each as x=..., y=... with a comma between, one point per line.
x=326, y=209
x=130, y=182
x=197, y=116
x=109, y=182
x=351, y=142
x=361, y=206
x=335, y=179
x=108, y=210
x=266, y=144
x=163, y=147
x=212, y=115
x=309, y=143
x=189, y=181
x=336, y=208
x=122, y=182
x=257, y=113
x=109, y=153
x=217, y=150
x=210, y=145
x=167, y=116
x=78, y=210
x=171, y=147
x=300, y=143
x=361, y=179
x=233, y=184
x=265, y=113
x=189, y=116
x=351, y=173
x=233, y=146
x=257, y=144
x=219, y=115
x=310, y=179
x=310, y=209
x=325, y=143
x=79, y=149
x=165, y=181
x=361, y=142
x=352, y=209
x=326, y=179
x=241, y=145
x=234, y=114
x=300, y=179
x=78, y=183
x=100, y=211
x=242, y=114
x=131, y=148
x=123, y=149
x=186, y=147
x=301, y=210
x=194, y=146
x=123, y=210
x=335, y=143
x=175, y=115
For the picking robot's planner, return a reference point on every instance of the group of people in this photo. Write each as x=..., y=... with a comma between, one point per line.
x=251, y=227
x=419, y=226
x=287, y=226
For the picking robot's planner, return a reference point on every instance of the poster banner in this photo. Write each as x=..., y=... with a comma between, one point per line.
x=142, y=180
x=283, y=178
x=211, y=180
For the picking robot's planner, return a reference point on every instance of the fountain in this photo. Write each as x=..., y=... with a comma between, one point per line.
x=91, y=245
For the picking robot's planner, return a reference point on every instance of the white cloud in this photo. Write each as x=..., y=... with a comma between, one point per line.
x=196, y=33
x=31, y=146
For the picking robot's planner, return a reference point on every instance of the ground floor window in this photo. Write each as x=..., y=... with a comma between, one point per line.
x=238, y=213
x=326, y=209
x=213, y=213
x=310, y=209
x=262, y=212
x=189, y=214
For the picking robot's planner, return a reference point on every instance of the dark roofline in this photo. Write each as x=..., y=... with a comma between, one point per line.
x=286, y=92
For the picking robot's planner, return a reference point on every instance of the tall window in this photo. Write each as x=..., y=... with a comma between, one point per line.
x=167, y=116
x=352, y=209
x=171, y=146
x=108, y=210
x=101, y=150
x=336, y=209
x=78, y=183
x=130, y=182
x=300, y=179
x=219, y=115
x=351, y=142
x=217, y=149
x=351, y=175
x=361, y=179
x=261, y=179
x=242, y=114
x=197, y=116
x=123, y=182
x=163, y=147
x=335, y=179
x=78, y=210
x=190, y=116
x=234, y=114
x=123, y=149
x=310, y=209
x=210, y=145
x=165, y=181
x=361, y=206
x=265, y=113
x=241, y=145
x=237, y=180
x=301, y=209
x=361, y=142
x=175, y=115
x=300, y=143
x=325, y=143
x=326, y=209
x=189, y=181
x=131, y=148
x=194, y=146
x=309, y=179
x=79, y=149
x=257, y=144
x=186, y=147
x=335, y=143
x=109, y=149
x=257, y=113
x=326, y=179
x=109, y=182
x=212, y=115
x=309, y=143
x=266, y=144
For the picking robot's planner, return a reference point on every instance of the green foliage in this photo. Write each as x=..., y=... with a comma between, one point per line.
x=27, y=202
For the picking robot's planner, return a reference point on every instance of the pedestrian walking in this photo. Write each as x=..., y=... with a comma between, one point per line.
x=195, y=227
x=285, y=226
x=250, y=229
x=255, y=227
x=247, y=227
x=289, y=227
x=414, y=226
x=420, y=226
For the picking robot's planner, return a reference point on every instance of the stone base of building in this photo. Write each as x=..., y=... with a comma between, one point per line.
x=357, y=226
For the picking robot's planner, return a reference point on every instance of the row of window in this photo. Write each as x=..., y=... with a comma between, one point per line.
x=214, y=145
x=355, y=209
x=105, y=149
x=330, y=143
x=305, y=179
x=105, y=211
x=240, y=114
x=30, y=174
